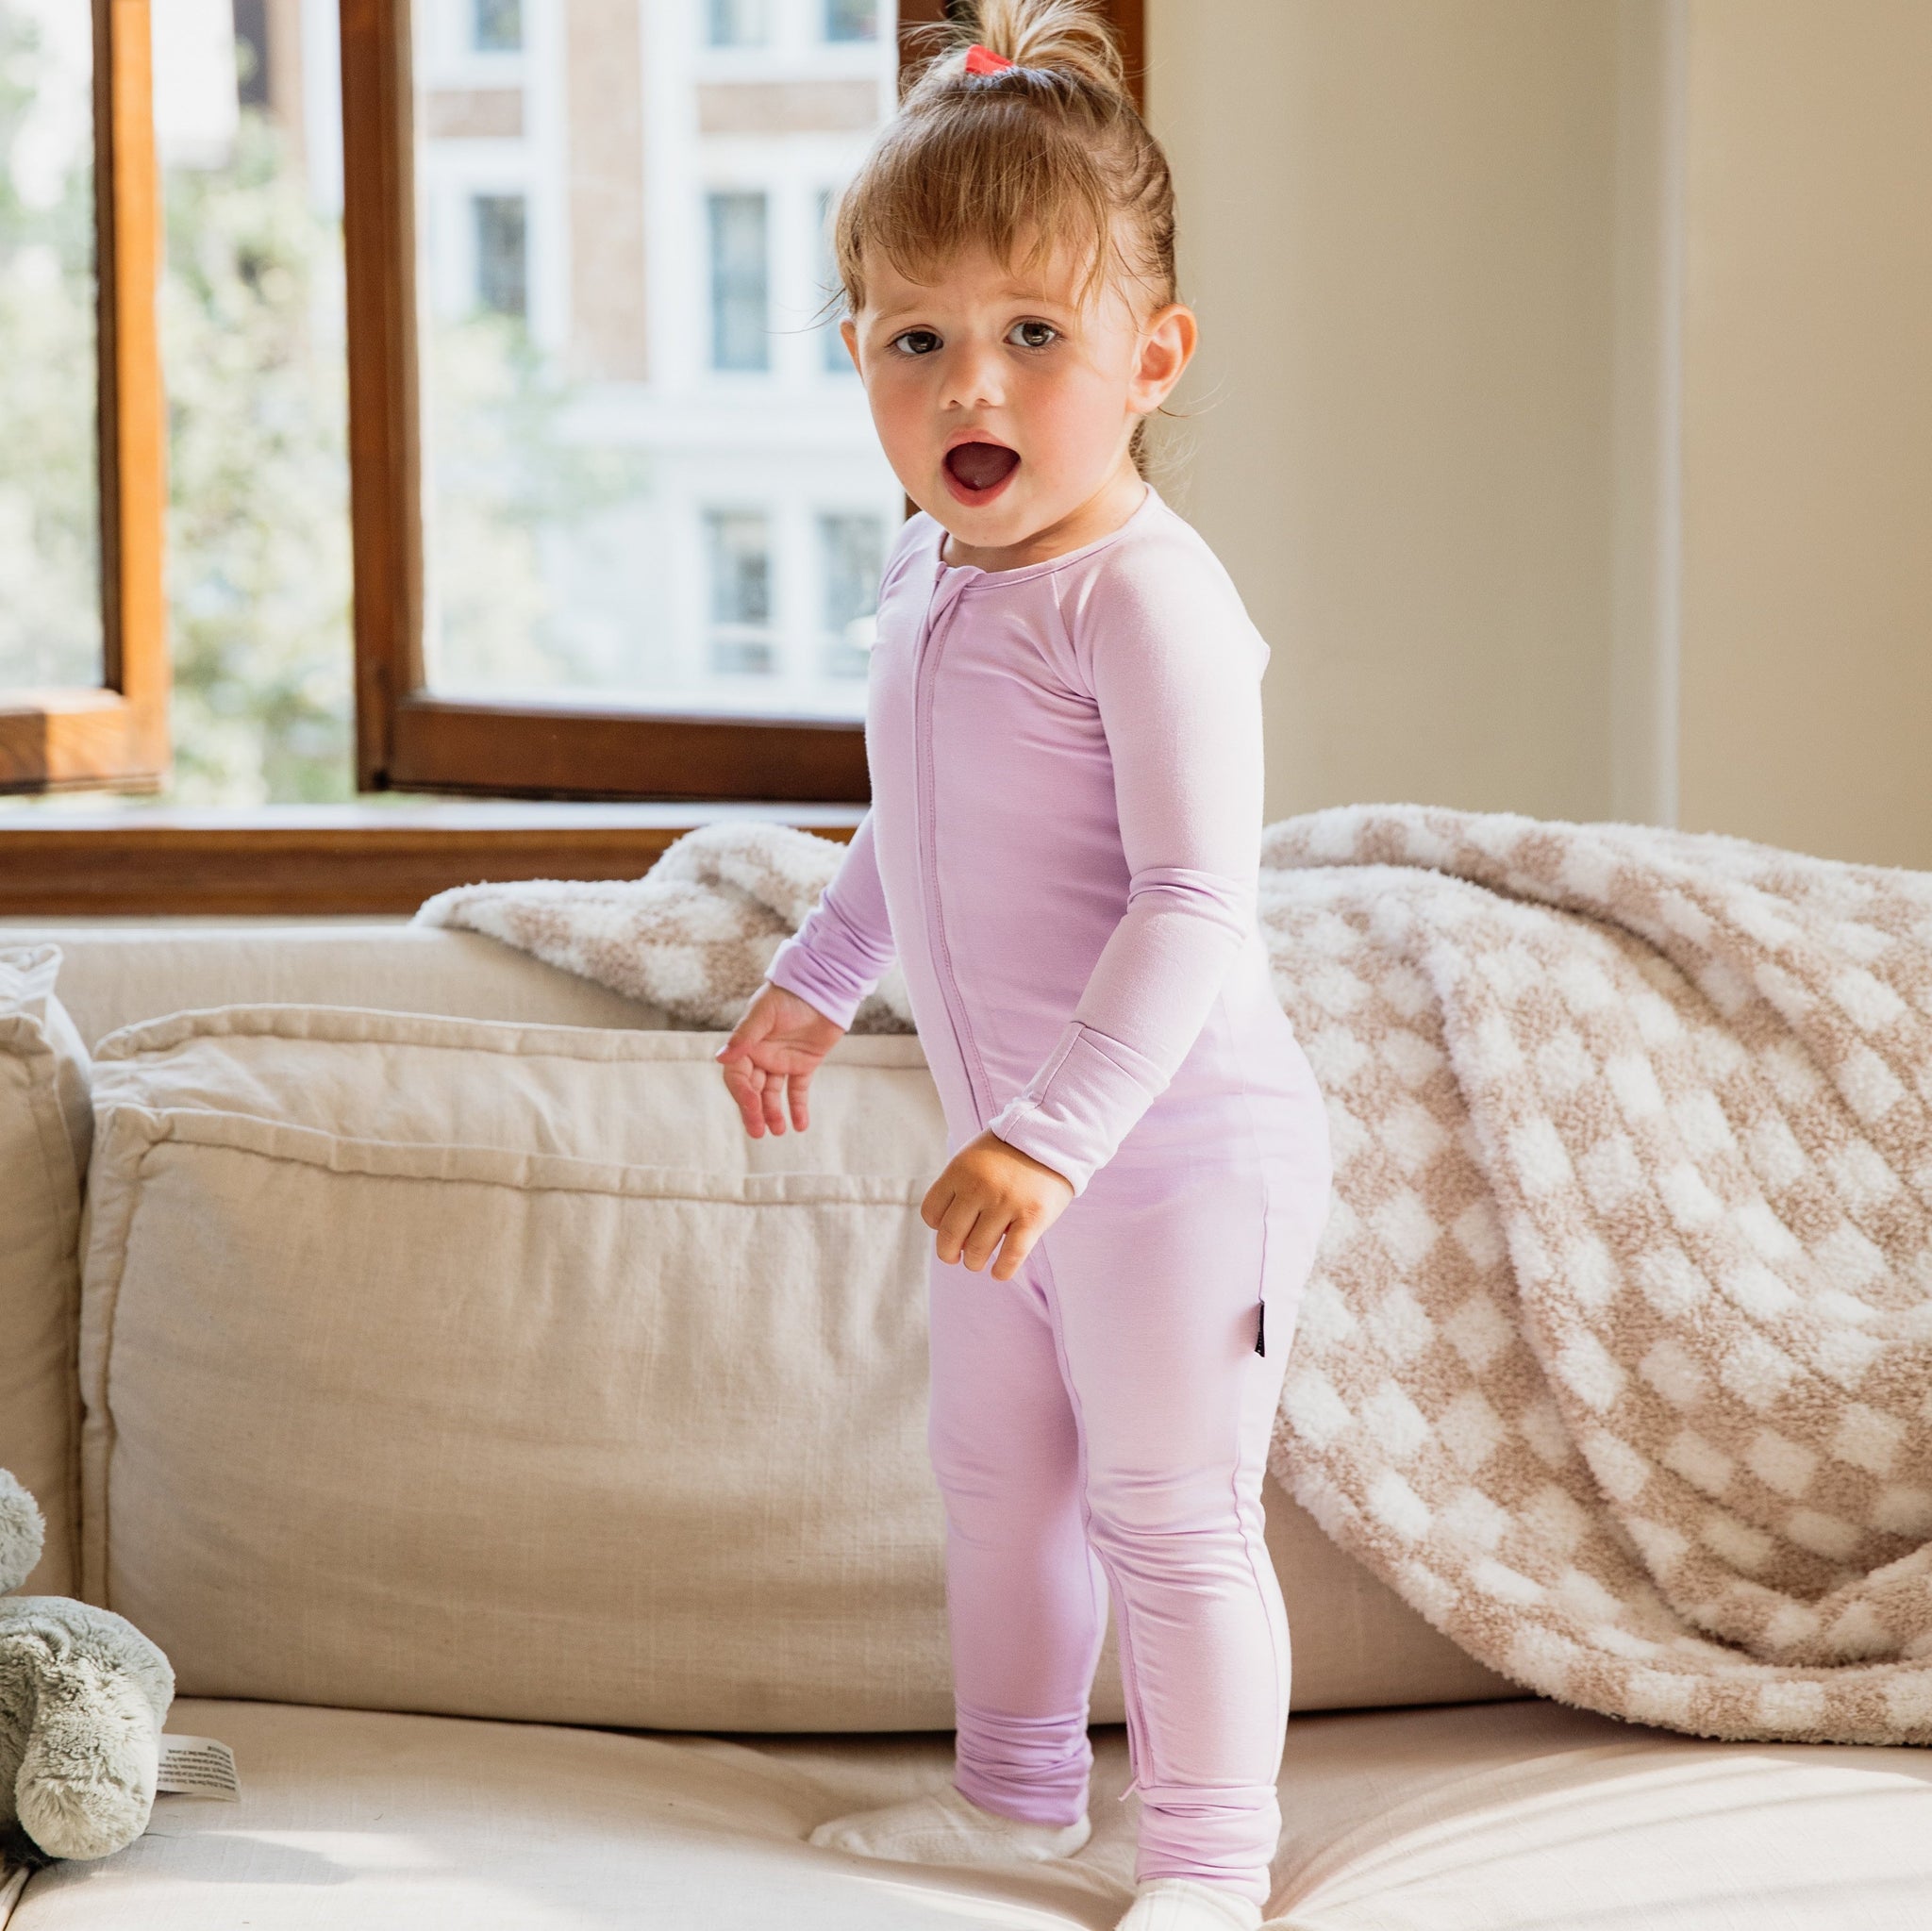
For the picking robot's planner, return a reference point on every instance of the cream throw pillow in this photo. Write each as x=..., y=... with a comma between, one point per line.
x=486, y=1369
x=45, y=1123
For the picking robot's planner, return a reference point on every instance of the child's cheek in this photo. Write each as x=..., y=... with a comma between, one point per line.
x=1071, y=428
x=899, y=415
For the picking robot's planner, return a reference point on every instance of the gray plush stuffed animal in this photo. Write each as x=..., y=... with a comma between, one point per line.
x=83, y=1696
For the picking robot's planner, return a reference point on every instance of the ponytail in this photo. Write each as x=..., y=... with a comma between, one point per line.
x=1063, y=37
x=1051, y=145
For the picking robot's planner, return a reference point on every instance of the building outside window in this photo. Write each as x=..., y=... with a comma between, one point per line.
x=498, y=25
x=831, y=345
x=851, y=554
x=502, y=254
x=737, y=23
x=676, y=353
x=852, y=20
x=252, y=52
x=740, y=337
x=739, y=542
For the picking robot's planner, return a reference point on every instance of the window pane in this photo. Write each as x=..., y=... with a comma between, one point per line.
x=852, y=20
x=499, y=254
x=736, y=23
x=499, y=25
x=50, y=574
x=650, y=478
x=737, y=281
x=247, y=127
x=837, y=358
x=740, y=557
x=851, y=554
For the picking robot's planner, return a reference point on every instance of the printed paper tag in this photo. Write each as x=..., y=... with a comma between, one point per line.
x=198, y=1767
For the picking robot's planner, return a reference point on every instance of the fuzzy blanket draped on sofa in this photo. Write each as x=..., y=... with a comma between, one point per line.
x=1617, y=1359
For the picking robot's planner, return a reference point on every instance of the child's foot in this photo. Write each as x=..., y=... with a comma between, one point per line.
x=1179, y=1904
x=950, y=1828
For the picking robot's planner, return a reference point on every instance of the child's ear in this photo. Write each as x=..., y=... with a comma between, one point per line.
x=1167, y=347
x=849, y=332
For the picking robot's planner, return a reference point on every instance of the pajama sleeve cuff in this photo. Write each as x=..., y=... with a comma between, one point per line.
x=828, y=985
x=1080, y=1104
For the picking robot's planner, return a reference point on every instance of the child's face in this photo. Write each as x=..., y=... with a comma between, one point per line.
x=1005, y=407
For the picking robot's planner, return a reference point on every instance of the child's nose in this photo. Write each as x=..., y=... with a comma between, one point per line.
x=973, y=377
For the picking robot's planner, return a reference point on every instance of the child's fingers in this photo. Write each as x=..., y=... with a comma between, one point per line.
x=986, y=1230
x=773, y=1094
x=1021, y=1235
x=743, y=1081
x=799, y=1082
x=938, y=1196
x=744, y=1035
x=956, y=1227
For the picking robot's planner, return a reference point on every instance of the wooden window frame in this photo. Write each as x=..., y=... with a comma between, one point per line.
x=115, y=733
x=407, y=736
x=337, y=860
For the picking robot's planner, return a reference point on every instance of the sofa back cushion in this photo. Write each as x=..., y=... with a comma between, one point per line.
x=44, y=1128
x=119, y=976
x=493, y=1370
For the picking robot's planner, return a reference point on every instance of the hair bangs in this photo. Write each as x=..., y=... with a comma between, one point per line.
x=977, y=175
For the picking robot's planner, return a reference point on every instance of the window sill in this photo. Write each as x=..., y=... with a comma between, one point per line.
x=294, y=860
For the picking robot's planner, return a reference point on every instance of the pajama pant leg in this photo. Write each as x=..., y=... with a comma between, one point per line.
x=1025, y=1599
x=1151, y=1440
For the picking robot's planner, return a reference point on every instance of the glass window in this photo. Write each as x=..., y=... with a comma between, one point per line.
x=833, y=356
x=501, y=254
x=851, y=554
x=584, y=276
x=852, y=20
x=252, y=52
x=253, y=354
x=739, y=333
x=739, y=543
x=498, y=25
x=736, y=23
x=50, y=581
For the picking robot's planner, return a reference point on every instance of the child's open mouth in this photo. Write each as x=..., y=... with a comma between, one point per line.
x=977, y=471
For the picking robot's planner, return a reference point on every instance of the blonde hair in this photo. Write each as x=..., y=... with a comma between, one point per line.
x=1052, y=147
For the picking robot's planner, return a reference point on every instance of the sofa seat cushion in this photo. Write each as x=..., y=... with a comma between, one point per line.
x=1507, y=1817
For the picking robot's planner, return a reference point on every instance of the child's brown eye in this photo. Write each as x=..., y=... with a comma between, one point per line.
x=1033, y=335
x=917, y=342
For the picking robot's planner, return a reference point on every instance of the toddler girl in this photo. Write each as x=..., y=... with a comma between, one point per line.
x=1064, y=738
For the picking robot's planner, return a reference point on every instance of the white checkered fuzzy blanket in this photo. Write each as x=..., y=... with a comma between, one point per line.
x=1616, y=1363
x=692, y=936
x=1617, y=1360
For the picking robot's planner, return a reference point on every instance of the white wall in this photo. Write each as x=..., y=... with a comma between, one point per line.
x=1807, y=705
x=1396, y=223
x=1565, y=398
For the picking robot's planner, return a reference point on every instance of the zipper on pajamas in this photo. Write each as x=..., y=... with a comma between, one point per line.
x=923, y=673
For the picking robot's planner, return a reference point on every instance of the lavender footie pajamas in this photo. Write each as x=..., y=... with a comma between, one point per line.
x=1063, y=850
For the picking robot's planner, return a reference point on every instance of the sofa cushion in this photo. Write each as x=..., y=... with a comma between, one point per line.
x=45, y=1123
x=113, y=975
x=1512, y=1816
x=493, y=1369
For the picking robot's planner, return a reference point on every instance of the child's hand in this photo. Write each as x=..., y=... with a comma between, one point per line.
x=987, y=1191
x=772, y=1055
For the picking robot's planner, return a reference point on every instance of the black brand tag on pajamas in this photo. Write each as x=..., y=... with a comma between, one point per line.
x=1261, y=1327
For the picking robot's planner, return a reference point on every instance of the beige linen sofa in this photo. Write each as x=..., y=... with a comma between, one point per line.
x=526, y=1472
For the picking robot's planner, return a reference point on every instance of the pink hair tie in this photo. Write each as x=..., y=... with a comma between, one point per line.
x=984, y=60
